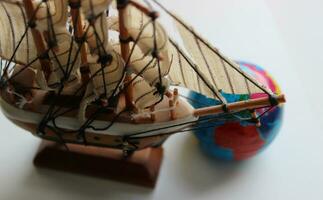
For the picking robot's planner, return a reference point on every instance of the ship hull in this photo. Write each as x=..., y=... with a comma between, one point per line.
x=94, y=139
x=120, y=135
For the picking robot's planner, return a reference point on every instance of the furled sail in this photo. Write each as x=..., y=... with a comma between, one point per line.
x=14, y=23
x=148, y=71
x=141, y=29
x=49, y=19
x=144, y=95
x=65, y=56
x=97, y=34
x=146, y=37
x=105, y=65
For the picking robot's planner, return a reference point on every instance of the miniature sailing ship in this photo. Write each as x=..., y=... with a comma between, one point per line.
x=74, y=72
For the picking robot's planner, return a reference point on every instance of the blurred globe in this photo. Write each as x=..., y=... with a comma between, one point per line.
x=240, y=140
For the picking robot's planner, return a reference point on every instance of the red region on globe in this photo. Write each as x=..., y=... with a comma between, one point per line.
x=244, y=141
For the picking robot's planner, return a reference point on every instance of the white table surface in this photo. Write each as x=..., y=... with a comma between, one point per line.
x=285, y=36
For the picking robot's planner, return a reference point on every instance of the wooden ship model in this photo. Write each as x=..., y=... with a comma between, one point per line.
x=105, y=73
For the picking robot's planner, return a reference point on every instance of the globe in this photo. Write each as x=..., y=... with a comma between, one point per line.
x=240, y=140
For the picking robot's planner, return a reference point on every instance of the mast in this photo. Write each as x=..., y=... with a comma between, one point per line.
x=125, y=49
x=79, y=36
x=241, y=105
x=40, y=46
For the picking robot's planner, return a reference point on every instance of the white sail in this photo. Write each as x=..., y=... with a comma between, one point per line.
x=14, y=22
x=145, y=66
x=97, y=34
x=106, y=79
x=106, y=76
x=144, y=95
x=50, y=19
x=209, y=72
x=141, y=28
x=150, y=70
x=186, y=73
x=95, y=7
x=219, y=70
x=73, y=48
x=64, y=57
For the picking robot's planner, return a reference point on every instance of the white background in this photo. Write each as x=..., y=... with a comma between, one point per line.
x=286, y=37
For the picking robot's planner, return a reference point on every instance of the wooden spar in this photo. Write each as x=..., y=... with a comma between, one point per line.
x=238, y=106
x=78, y=27
x=213, y=49
x=125, y=49
x=173, y=101
x=79, y=35
x=140, y=7
x=39, y=43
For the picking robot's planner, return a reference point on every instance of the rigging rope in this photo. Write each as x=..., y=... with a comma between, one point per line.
x=55, y=111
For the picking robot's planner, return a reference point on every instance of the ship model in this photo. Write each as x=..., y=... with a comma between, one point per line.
x=106, y=73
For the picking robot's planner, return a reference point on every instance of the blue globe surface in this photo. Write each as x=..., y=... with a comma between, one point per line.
x=237, y=139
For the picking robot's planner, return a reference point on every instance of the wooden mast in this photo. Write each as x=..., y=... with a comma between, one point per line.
x=125, y=49
x=239, y=106
x=39, y=43
x=79, y=36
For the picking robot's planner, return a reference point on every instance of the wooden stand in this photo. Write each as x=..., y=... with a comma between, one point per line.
x=142, y=168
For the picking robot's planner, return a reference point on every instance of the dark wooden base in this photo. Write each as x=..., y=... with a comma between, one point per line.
x=142, y=168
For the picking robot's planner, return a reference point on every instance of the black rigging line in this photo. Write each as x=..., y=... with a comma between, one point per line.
x=92, y=118
x=24, y=67
x=197, y=123
x=211, y=48
x=74, y=23
x=48, y=118
x=52, y=40
x=159, y=86
x=1, y=67
x=51, y=37
x=270, y=108
x=137, y=75
x=194, y=67
x=204, y=120
x=49, y=114
x=21, y=39
x=53, y=111
x=129, y=57
x=58, y=61
x=104, y=58
x=88, y=81
x=77, y=53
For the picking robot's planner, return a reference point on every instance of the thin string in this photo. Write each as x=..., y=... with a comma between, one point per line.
x=75, y=22
x=194, y=67
x=160, y=89
x=103, y=63
x=21, y=39
x=54, y=110
x=52, y=40
x=24, y=68
x=211, y=48
x=265, y=112
x=129, y=57
x=91, y=119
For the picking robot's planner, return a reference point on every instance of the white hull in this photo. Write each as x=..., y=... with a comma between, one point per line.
x=117, y=129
